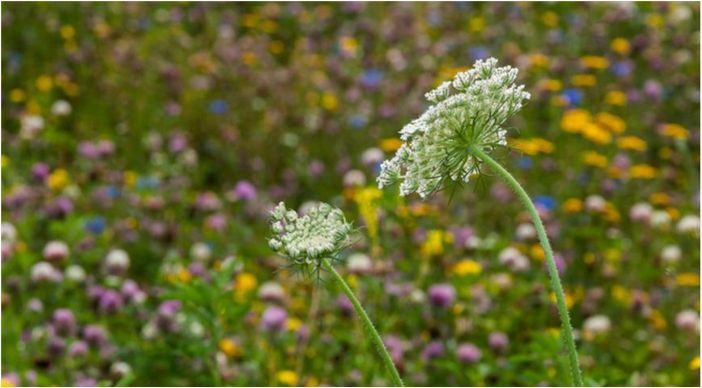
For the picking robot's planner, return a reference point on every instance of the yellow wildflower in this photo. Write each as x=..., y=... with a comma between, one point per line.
x=612, y=122
x=476, y=24
x=570, y=301
x=688, y=279
x=184, y=275
x=243, y=284
x=330, y=101
x=249, y=58
x=642, y=171
x=574, y=120
x=130, y=178
x=58, y=179
x=695, y=363
x=621, y=46
x=573, y=205
x=5, y=382
x=44, y=83
x=537, y=252
x=434, y=244
x=538, y=60
x=467, y=267
x=657, y=320
x=550, y=18
x=595, y=159
x=655, y=20
x=596, y=134
x=293, y=324
x=673, y=212
x=659, y=198
x=616, y=97
x=632, y=143
x=594, y=62
x=391, y=144
x=532, y=146
x=583, y=80
x=229, y=347
x=287, y=377
x=552, y=85
x=348, y=44
x=366, y=200
x=68, y=32
x=621, y=294
x=17, y=95
x=675, y=131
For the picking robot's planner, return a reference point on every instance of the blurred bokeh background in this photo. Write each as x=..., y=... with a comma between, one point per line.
x=143, y=144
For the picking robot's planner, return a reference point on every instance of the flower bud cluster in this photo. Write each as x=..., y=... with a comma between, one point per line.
x=306, y=239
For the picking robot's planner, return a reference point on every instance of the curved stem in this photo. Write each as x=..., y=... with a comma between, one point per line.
x=367, y=324
x=566, y=329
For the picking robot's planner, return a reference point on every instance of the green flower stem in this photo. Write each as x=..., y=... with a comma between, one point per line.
x=566, y=329
x=367, y=324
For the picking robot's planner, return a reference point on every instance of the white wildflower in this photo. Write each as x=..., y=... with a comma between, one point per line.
x=598, y=324
x=469, y=111
x=321, y=233
x=689, y=224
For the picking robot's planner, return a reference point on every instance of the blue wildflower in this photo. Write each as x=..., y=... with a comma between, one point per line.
x=218, y=107
x=479, y=52
x=371, y=78
x=95, y=225
x=573, y=96
x=358, y=121
x=525, y=162
x=545, y=201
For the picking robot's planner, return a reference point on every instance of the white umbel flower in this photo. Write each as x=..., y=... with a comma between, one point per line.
x=469, y=111
x=306, y=240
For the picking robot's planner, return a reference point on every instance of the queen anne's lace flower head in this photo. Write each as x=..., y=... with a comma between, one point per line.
x=306, y=240
x=468, y=112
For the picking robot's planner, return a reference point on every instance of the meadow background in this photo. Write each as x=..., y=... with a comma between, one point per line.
x=144, y=144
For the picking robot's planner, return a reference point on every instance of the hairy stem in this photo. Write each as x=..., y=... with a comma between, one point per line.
x=367, y=324
x=566, y=329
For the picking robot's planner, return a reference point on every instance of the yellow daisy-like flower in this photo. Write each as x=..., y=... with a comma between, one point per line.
x=595, y=159
x=675, y=131
x=613, y=123
x=583, y=80
x=574, y=120
x=391, y=144
x=632, y=143
x=642, y=171
x=688, y=279
x=597, y=134
x=467, y=267
x=594, y=62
